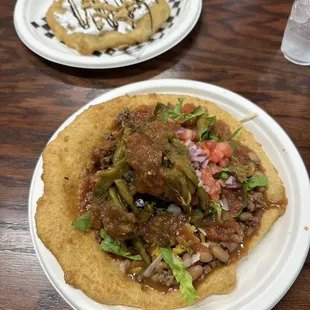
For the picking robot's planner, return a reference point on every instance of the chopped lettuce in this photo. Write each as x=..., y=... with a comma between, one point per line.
x=176, y=114
x=223, y=174
x=112, y=245
x=256, y=180
x=82, y=222
x=187, y=289
x=215, y=208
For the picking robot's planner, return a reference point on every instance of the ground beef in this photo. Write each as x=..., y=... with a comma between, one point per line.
x=255, y=201
x=165, y=278
x=102, y=156
x=221, y=130
x=123, y=117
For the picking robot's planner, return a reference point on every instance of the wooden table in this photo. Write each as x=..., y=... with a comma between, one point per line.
x=236, y=44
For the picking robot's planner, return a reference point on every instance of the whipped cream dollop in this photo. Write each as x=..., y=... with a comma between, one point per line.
x=96, y=16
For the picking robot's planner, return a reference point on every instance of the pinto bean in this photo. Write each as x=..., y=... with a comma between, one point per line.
x=207, y=269
x=206, y=256
x=220, y=254
x=185, y=256
x=161, y=266
x=258, y=173
x=235, y=238
x=250, y=231
x=254, y=158
x=260, y=188
x=195, y=271
x=251, y=170
x=245, y=216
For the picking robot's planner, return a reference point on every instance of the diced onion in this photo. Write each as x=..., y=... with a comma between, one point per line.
x=191, y=260
x=205, y=163
x=224, y=204
x=202, y=231
x=180, y=131
x=196, y=165
x=148, y=271
x=230, y=180
x=174, y=209
x=200, y=159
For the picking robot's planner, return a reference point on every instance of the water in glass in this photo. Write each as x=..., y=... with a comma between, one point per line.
x=296, y=40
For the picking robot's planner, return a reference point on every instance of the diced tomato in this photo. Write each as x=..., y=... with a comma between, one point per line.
x=225, y=148
x=214, y=191
x=224, y=162
x=214, y=168
x=206, y=177
x=203, y=145
x=187, y=108
x=214, y=186
x=210, y=144
x=216, y=155
x=207, y=152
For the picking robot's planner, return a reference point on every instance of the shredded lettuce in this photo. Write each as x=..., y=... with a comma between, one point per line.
x=176, y=114
x=82, y=222
x=256, y=180
x=215, y=208
x=112, y=245
x=187, y=289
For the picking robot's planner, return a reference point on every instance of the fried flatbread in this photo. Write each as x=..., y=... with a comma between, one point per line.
x=86, y=44
x=85, y=266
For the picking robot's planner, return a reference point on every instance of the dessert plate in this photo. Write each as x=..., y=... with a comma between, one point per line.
x=32, y=29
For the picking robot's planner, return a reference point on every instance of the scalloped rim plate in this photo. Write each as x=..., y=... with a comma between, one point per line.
x=28, y=11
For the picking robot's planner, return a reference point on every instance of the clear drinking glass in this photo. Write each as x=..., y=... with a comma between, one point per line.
x=296, y=40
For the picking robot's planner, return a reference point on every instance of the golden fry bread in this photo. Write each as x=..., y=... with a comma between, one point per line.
x=87, y=43
x=85, y=266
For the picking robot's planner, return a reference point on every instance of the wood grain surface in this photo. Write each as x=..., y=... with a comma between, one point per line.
x=236, y=44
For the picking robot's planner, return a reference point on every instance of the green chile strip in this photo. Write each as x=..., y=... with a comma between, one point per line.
x=114, y=197
x=139, y=246
x=110, y=175
x=125, y=193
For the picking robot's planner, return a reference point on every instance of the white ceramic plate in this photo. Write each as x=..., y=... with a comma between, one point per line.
x=32, y=29
x=270, y=269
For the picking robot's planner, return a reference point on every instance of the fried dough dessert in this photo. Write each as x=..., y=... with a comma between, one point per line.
x=96, y=25
x=151, y=200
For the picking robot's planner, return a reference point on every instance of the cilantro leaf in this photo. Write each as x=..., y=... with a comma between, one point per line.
x=178, y=106
x=236, y=132
x=82, y=222
x=187, y=289
x=176, y=114
x=203, y=126
x=112, y=245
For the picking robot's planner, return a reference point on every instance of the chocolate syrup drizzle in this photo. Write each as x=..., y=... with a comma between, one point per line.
x=84, y=21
